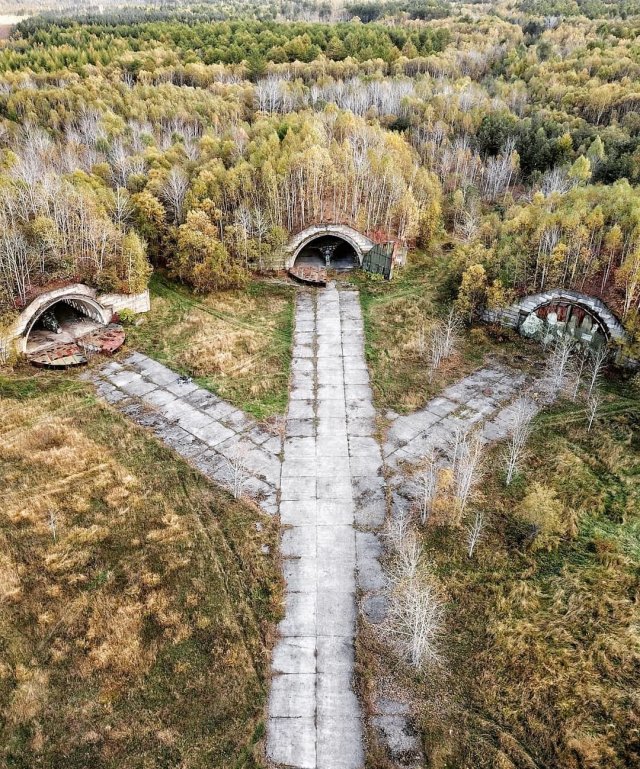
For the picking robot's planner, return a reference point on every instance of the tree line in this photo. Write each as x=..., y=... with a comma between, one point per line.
x=517, y=147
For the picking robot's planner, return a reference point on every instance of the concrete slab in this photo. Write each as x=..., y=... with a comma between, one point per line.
x=292, y=696
x=300, y=428
x=299, y=541
x=336, y=698
x=296, y=488
x=332, y=512
x=181, y=387
x=300, y=447
x=299, y=573
x=301, y=512
x=300, y=615
x=292, y=742
x=333, y=445
x=295, y=655
x=335, y=655
x=369, y=551
x=336, y=614
x=334, y=488
x=158, y=397
x=302, y=409
x=338, y=745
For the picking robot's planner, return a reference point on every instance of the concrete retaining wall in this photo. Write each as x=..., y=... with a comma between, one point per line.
x=133, y=302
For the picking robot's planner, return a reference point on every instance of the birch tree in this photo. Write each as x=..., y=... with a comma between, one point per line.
x=425, y=486
x=174, y=192
x=597, y=363
x=443, y=341
x=239, y=472
x=557, y=367
x=467, y=469
x=593, y=406
x=520, y=431
x=474, y=531
x=414, y=625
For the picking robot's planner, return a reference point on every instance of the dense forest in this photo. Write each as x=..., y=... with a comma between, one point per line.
x=511, y=139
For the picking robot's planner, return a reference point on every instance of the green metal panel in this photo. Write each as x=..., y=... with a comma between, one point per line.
x=379, y=260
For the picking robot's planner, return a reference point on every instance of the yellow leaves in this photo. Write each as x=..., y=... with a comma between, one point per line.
x=472, y=292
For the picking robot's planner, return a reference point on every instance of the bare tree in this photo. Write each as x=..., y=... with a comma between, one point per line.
x=397, y=528
x=580, y=361
x=467, y=468
x=556, y=181
x=593, y=405
x=425, y=486
x=475, y=531
x=500, y=171
x=523, y=413
x=404, y=567
x=414, y=623
x=444, y=338
x=598, y=359
x=452, y=326
x=121, y=210
x=557, y=367
x=174, y=192
x=239, y=472
x=4, y=351
x=16, y=266
x=53, y=524
x=242, y=217
x=260, y=228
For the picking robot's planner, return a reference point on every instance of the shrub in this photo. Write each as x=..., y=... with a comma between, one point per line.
x=126, y=317
x=544, y=511
x=201, y=260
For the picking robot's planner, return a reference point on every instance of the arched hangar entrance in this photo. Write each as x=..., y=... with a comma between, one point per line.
x=63, y=321
x=329, y=251
x=333, y=246
x=562, y=312
x=63, y=327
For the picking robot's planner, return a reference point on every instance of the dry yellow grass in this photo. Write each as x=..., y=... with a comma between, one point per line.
x=237, y=343
x=215, y=349
x=135, y=603
x=399, y=316
x=543, y=647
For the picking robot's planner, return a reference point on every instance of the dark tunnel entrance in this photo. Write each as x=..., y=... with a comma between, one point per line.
x=328, y=251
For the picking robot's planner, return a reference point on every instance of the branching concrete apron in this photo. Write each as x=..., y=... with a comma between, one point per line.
x=330, y=484
x=332, y=500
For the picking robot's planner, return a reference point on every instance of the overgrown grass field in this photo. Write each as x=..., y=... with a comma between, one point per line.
x=542, y=641
x=137, y=607
x=235, y=343
x=399, y=315
x=541, y=646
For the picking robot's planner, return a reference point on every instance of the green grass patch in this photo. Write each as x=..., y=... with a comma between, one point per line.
x=235, y=343
x=398, y=316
